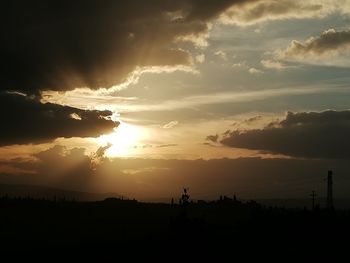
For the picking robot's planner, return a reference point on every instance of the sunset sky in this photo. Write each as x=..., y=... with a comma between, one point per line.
x=142, y=98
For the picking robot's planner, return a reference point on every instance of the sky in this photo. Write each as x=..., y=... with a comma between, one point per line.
x=142, y=98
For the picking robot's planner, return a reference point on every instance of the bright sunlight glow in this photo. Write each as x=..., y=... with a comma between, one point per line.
x=124, y=139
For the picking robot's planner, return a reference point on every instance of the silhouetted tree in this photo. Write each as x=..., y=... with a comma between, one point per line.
x=184, y=201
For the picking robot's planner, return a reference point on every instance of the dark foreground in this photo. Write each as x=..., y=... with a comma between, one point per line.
x=115, y=229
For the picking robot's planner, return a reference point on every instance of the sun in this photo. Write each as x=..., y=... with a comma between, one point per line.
x=123, y=139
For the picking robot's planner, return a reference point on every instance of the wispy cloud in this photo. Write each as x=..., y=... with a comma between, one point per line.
x=230, y=97
x=170, y=125
x=252, y=12
x=273, y=64
x=122, y=105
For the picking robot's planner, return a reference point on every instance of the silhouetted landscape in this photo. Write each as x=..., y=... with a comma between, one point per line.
x=111, y=227
x=49, y=193
x=174, y=130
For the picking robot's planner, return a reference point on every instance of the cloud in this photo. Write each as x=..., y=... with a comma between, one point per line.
x=61, y=167
x=167, y=145
x=170, y=125
x=221, y=54
x=213, y=138
x=330, y=44
x=102, y=150
x=272, y=64
x=130, y=107
x=242, y=64
x=252, y=119
x=304, y=134
x=62, y=45
x=26, y=120
x=98, y=156
x=255, y=71
x=200, y=58
x=64, y=168
x=252, y=12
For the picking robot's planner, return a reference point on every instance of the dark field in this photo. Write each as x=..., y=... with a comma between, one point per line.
x=114, y=228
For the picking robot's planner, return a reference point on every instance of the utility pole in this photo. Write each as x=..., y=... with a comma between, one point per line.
x=330, y=190
x=313, y=196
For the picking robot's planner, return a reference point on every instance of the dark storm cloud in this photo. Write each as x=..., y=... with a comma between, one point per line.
x=26, y=120
x=330, y=42
x=305, y=134
x=61, y=45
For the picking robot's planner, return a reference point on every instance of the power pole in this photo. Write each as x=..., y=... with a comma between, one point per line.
x=313, y=196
